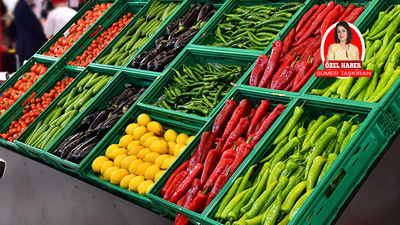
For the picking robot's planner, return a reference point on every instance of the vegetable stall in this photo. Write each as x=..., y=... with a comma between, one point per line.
x=209, y=112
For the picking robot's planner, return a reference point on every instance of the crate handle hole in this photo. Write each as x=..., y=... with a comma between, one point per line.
x=354, y=163
x=358, y=149
x=320, y=210
x=310, y=215
x=335, y=183
x=365, y=148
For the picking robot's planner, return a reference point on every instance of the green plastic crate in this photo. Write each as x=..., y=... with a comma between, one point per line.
x=115, y=88
x=255, y=97
x=190, y=57
x=355, y=159
x=184, y=4
x=168, y=120
x=208, y=35
x=38, y=152
x=151, y=44
x=88, y=6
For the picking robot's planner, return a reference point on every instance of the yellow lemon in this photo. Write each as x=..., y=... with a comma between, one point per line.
x=151, y=172
x=117, y=176
x=133, y=166
x=133, y=144
x=142, y=167
x=144, y=137
x=105, y=166
x=135, y=150
x=159, y=146
x=138, y=133
x=158, y=175
x=142, y=154
x=135, y=182
x=149, y=187
x=171, y=147
x=155, y=127
x=98, y=162
x=182, y=138
x=150, y=140
x=167, y=163
x=189, y=140
x=151, y=157
x=177, y=148
x=170, y=135
x=131, y=128
x=160, y=159
x=118, y=160
x=125, y=181
x=143, y=119
x=101, y=177
x=125, y=140
x=179, y=151
x=111, y=148
x=109, y=171
x=117, y=152
x=127, y=161
x=143, y=186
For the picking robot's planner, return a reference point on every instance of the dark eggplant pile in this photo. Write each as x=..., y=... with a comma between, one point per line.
x=96, y=125
x=179, y=33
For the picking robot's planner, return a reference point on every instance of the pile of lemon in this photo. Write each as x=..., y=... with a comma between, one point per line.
x=141, y=156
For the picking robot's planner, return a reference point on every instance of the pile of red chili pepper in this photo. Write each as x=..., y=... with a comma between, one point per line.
x=77, y=30
x=195, y=183
x=101, y=42
x=294, y=60
x=33, y=110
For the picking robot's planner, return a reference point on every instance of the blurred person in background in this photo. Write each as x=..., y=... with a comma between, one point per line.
x=30, y=35
x=47, y=6
x=58, y=17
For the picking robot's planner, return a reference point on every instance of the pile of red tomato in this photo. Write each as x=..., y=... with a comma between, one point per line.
x=76, y=31
x=12, y=94
x=101, y=42
x=33, y=110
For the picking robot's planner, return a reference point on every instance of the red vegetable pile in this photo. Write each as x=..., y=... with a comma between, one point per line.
x=76, y=30
x=293, y=61
x=196, y=182
x=33, y=110
x=101, y=42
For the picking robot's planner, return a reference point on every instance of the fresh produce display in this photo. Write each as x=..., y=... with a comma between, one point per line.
x=272, y=191
x=178, y=34
x=33, y=110
x=236, y=131
x=12, y=94
x=294, y=60
x=141, y=156
x=139, y=33
x=382, y=57
x=77, y=30
x=96, y=125
x=200, y=88
x=101, y=42
x=67, y=108
x=254, y=27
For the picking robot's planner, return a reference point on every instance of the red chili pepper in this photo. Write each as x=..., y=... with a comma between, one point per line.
x=240, y=141
x=260, y=112
x=349, y=9
x=242, y=152
x=318, y=31
x=267, y=124
x=223, y=117
x=258, y=70
x=312, y=18
x=287, y=42
x=289, y=86
x=304, y=20
x=316, y=64
x=236, y=133
x=211, y=162
x=286, y=61
x=172, y=177
x=219, y=184
x=297, y=66
x=226, y=160
x=352, y=18
x=299, y=50
x=331, y=18
x=198, y=204
x=273, y=62
x=185, y=185
x=191, y=194
x=260, y=123
x=175, y=184
x=311, y=48
x=280, y=82
x=241, y=111
x=316, y=23
x=304, y=68
x=251, y=114
x=206, y=143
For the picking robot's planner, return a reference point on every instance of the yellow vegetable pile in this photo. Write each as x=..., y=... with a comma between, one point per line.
x=141, y=156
